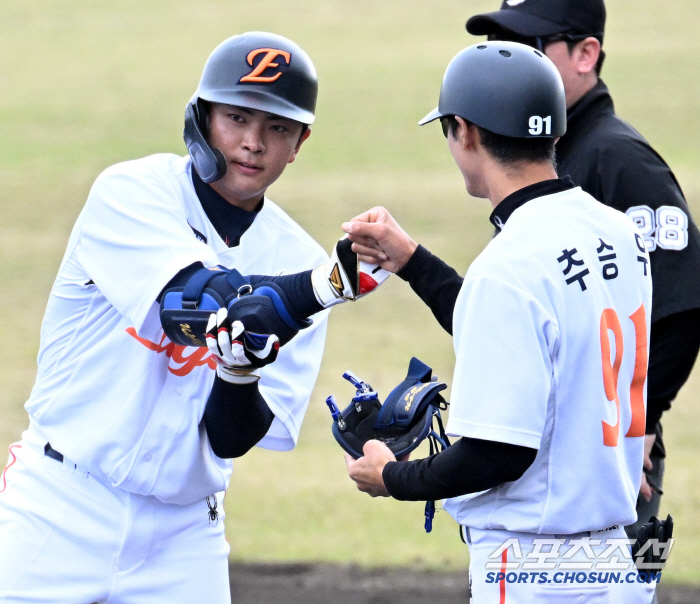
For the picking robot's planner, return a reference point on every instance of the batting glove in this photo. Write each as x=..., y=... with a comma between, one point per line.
x=344, y=277
x=237, y=352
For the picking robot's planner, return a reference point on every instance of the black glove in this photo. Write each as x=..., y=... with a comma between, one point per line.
x=401, y=423
x=654, y=541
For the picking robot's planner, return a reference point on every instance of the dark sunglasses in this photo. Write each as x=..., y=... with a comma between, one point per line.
x=540, y=42
x=445, y=123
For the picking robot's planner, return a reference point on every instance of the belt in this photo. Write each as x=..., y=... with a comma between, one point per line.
x=49, y=451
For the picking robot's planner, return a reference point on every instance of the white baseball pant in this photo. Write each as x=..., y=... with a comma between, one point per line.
x=69, y=537
x=519, y=568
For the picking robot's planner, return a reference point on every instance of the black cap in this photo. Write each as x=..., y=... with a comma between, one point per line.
x=539, y=18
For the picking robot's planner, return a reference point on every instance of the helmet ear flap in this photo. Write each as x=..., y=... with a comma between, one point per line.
x=202, y=112
x=209, y=162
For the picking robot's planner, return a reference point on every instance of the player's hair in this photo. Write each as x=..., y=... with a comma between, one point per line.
x=508, y=150
x=205, y=120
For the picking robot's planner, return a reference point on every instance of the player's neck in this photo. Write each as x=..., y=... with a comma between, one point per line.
x=503, y=182
x=248, y=203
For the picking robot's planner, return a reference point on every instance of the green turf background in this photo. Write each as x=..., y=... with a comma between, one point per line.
x=87, y=83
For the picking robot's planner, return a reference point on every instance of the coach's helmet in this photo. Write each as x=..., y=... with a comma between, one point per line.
x=256, y=70
x=506, y=88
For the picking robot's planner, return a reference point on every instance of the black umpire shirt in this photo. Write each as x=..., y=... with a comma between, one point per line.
x=611, y=161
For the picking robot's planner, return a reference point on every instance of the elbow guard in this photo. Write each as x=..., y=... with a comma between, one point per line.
x=185, y=311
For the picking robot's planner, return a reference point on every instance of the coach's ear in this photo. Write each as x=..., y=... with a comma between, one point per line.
x=306, y=134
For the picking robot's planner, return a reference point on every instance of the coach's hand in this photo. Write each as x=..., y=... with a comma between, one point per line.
x=237, y=353
x=367, y=471
x=378, y=239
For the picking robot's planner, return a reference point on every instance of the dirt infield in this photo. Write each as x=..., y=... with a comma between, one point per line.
x=327, y=583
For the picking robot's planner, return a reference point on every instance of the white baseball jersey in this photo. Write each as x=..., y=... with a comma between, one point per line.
x=113, y=394
x=551, y=331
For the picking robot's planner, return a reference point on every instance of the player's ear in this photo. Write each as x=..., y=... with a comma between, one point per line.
x=465, y=133
x=304, y=135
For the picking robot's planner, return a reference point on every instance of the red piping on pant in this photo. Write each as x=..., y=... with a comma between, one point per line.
x=9, y=465
x=504, y=568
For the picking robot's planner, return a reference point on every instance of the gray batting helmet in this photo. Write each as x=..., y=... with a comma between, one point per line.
x=256, y=70
x=506, y=88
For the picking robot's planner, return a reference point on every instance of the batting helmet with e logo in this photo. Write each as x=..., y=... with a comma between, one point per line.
x=256, y=70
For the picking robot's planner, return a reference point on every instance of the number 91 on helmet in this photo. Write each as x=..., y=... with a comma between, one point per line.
x=504, y=87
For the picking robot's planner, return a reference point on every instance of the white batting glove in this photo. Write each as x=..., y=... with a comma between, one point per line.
x=344, y=277
x=237, y=353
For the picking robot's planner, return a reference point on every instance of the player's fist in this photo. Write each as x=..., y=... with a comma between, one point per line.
x=345, y=277
x=237, y=352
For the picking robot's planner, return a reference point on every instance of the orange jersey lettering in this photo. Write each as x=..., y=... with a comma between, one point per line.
x=200, y=356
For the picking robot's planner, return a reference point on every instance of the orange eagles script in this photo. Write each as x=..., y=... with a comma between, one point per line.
x=199, y=356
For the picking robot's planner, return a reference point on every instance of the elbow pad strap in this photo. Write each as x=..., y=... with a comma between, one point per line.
x=185, y=311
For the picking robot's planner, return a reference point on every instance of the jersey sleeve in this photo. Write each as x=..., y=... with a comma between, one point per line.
x=287, y=384
x=503, y=372
x=134, y=237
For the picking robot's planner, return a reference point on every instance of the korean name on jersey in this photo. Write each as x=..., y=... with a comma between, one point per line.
x=555, y=313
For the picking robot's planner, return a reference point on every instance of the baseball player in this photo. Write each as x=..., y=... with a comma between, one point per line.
x=550, y=332
x=114, y=493
x=616, y=165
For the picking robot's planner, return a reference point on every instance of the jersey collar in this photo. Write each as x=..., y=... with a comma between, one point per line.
x=503, y=210
x=229, y=221
x=595, y=102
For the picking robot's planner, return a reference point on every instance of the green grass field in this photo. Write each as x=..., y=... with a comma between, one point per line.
x=89, y=83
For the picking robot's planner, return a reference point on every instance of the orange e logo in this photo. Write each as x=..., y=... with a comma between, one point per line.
x=265, y=62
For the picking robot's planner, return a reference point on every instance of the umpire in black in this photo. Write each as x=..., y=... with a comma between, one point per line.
x=610, y=160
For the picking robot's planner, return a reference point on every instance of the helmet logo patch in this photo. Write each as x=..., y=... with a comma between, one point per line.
x=266, y=62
